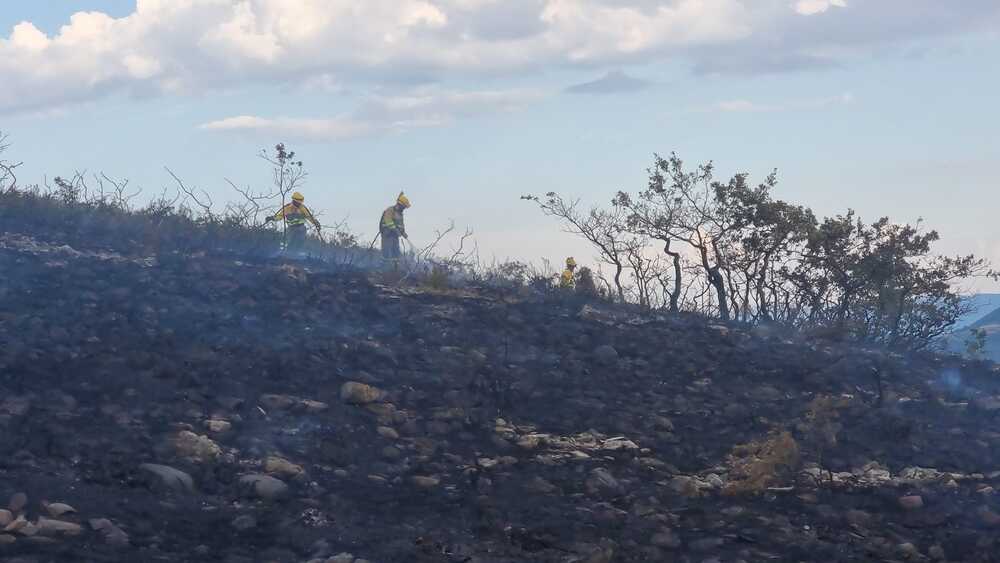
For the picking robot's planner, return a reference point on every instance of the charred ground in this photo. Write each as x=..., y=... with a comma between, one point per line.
x=215, y=407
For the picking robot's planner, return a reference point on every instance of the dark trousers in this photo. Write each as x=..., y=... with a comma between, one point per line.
x=390, y=245
x=295, y=237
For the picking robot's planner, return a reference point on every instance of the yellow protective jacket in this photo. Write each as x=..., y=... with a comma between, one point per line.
x=392, y=221
x=566, y=281
x=296, y=215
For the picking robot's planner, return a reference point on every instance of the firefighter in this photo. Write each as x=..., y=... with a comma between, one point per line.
x=567, y=280
x=392, y=227
x=295, y=215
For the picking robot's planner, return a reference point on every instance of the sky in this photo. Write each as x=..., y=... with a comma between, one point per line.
x=888, y=107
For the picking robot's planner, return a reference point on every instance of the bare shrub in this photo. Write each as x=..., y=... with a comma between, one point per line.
x=759, y=465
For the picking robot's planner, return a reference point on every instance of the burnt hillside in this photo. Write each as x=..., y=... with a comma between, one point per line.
x=190, y=407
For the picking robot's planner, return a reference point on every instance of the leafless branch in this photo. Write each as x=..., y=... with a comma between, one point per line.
x=204, y=201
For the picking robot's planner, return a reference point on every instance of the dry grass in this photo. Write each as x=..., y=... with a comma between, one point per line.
x=761, y=464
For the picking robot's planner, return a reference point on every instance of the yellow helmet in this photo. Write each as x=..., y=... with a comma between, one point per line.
x=403, y=200
x=570, y=262
x=298, y=196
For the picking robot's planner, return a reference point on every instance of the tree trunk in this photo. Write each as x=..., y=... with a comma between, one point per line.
x=675, y=295
x=717, y=282
x=618, y=282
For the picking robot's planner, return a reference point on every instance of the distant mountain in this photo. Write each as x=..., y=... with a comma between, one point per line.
x=984, y=314
x=983, y=304
x=991, y=319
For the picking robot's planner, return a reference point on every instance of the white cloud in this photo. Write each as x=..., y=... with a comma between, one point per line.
x=813, y=7
x=185, y=46
x=747, y=106
x=289, y=128
x=421, y=108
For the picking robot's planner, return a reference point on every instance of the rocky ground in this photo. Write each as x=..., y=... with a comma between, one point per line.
x=205, y=408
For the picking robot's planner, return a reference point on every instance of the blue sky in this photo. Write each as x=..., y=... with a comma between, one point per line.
x=884, y=106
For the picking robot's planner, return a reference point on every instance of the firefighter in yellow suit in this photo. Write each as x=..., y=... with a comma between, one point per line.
x=295, y=215
x=391, y=227
x=567, y=281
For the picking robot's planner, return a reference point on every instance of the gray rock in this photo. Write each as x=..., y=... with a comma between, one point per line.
x=173, y=479
x=603, y=484
x=265, y=486
x=49, y=527
x=425, y=482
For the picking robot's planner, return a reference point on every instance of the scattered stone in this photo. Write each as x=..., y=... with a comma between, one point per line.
x=391, y=453
x=910, y=551
x=342, y=558
x=282, y=467
x=16, y=525
x=218, y=426
x=425, y=482
x=49, y=527
x=314, y=407
x=911, y=502
x=197, y=448
x=603, y=484
x=173, y=479
x=937, y=552
x=28, y=529
x=715, y=481
x=6, y=517
x=685, y=486
x=663, y=423
x=619, y=444
x=57, y=509
x=277, y=402
x=113, y=535
x=265, y=486
x=354, y=393
x=388, y=433
x=540, y=485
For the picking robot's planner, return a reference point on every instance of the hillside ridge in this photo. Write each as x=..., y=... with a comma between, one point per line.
x=205, y=407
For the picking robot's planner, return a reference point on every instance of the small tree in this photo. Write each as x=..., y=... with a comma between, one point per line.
x=8, y=177
x=287, y=174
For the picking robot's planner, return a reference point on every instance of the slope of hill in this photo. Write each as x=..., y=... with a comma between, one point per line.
x=222, y=408
x=989, y=320
x=982, y=304
x=957, y=341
